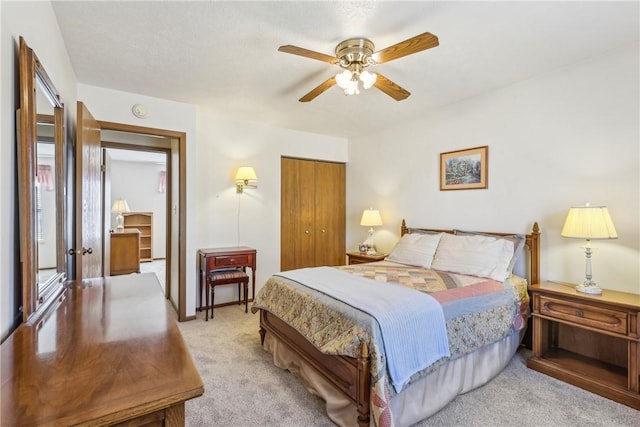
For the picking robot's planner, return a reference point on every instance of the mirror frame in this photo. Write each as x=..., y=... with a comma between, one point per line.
x=37, y=296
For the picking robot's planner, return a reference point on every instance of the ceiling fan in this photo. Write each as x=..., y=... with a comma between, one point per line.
x=354, y=56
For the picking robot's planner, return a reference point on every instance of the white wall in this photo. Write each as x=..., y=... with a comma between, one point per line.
x=137, y=183
x=560, y=139
x=36, y=22
x=252, y=218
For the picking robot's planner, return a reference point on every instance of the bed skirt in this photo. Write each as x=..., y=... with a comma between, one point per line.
x=418, y=401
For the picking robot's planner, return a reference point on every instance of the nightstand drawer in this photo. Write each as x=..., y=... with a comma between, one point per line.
x=361, y=258
x=585, y=315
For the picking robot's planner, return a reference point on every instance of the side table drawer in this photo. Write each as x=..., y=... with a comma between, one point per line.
x=586, y=315
x=232, y=260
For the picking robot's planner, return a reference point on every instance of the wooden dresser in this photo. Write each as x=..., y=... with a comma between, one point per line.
x=590, y=341
x=124, y=255
x=108, y=353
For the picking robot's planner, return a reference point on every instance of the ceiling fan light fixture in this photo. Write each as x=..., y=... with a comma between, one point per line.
x=352, y=88
x=348, y=81
x=354, y=55
x=343, y=79
x=368, y=79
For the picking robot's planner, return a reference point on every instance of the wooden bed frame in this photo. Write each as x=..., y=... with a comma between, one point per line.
x=351, y=375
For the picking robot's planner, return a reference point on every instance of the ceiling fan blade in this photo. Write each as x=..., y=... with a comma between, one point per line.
x=414, y=44
x=308, y=53
x=318, y=89
x=390, y=88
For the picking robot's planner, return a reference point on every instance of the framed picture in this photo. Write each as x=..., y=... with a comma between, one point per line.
x=464, y=169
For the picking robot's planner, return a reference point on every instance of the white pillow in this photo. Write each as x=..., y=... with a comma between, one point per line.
x=415, y=249
x=474, y=255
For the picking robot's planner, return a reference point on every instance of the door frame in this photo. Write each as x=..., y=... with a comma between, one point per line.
x=181, y=137
x=106, y=145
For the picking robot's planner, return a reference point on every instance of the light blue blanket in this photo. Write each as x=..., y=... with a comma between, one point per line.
x=412, y=323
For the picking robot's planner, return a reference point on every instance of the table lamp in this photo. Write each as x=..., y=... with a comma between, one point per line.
x=589, y=223
x=119, y=206
x=370, y=218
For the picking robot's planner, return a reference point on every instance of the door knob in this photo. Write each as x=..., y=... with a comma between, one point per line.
x=71, y=251
x=306, y=231
x=87, y=251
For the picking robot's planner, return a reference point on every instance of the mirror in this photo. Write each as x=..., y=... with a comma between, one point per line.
x=41, y=200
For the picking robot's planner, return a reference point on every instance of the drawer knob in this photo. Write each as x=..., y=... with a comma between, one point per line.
x=579, y=313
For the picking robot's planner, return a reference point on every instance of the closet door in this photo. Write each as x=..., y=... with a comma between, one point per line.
x=297, y=216
x=312, y=213
x=330, y=213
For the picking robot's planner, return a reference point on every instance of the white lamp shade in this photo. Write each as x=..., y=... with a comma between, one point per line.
x=368, y=79
x=246, y=173
x=343, y=79
x=589, y=222
x=119, y=206
x=371, y=218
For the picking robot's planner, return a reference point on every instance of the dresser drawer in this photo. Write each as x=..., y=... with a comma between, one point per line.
x=586, y=315
x=228, y=261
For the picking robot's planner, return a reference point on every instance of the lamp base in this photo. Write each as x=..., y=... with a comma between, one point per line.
x=589, y=289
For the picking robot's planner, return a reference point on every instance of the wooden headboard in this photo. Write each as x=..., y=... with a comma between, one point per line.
x=532, y=242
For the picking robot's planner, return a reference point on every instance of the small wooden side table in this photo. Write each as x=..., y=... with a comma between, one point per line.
x=222, y=258
x=361, y=258
x=590, y=341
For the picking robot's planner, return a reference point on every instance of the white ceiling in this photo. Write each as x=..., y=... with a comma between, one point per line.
x=223, y=57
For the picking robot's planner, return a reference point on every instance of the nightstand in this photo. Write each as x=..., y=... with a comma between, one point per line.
x=590, y=341
x=361, y=258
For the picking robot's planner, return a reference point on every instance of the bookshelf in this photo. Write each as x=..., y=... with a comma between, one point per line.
x=143, y=221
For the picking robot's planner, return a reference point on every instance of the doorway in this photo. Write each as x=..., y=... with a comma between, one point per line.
x=136, y=171
x=176, y=213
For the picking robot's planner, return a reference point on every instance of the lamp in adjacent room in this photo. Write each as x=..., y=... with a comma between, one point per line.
x=119, y=206
x=589, y=223
x=370, y=218
x=246, y=178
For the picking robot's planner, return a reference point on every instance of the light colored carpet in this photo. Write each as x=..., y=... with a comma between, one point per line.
x=243, y=388
x=156, y=266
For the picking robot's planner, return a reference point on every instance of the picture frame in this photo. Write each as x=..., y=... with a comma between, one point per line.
x=464, y=169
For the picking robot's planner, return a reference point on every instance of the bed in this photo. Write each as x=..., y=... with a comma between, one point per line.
x=343, y=353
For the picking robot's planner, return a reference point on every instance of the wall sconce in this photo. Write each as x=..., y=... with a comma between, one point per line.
x=246, y=178
x=119, y=206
